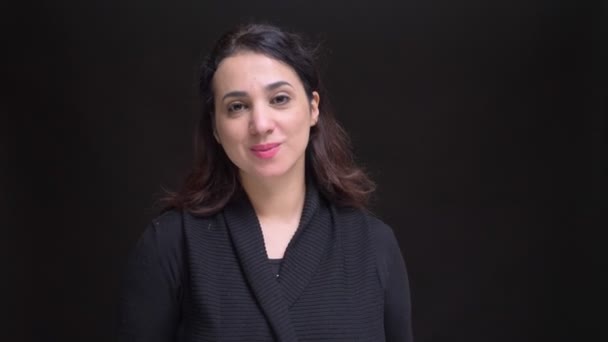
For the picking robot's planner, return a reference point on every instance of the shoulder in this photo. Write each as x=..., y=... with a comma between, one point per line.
x=369, y=224
x=162, y=239
x=382, y=234
x=169, y=219
x=168, y=222
x=170, y=225
x=158, y=254
x=386, y=247
x=166, y=229
x=171, y=229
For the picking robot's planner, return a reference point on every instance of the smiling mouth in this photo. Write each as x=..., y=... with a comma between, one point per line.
x=264, y=147
x=265, y=151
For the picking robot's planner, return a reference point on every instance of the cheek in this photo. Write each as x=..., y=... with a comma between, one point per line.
x=227, y=133
x=301, y=126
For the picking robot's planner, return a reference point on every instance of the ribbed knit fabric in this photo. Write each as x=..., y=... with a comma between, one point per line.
x=331, y=284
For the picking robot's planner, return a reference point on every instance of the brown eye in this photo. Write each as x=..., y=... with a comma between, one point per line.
x=280, y=99
x=236, y=107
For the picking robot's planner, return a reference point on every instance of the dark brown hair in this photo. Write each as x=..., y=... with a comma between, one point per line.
x=329, y=160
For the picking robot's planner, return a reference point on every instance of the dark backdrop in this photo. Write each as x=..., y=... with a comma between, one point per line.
x=483, y=124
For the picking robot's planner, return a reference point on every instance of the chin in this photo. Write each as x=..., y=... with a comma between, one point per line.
x=270, y=172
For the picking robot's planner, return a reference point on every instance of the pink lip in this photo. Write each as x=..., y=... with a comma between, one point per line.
x=265, y=151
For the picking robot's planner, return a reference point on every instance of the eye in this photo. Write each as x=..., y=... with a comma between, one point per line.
x=280, y=99
x=236, y=107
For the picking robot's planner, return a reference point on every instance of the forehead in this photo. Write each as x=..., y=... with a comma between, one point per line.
x=247, y=70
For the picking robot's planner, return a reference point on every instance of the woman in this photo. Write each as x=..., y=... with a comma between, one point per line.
x=269, y=238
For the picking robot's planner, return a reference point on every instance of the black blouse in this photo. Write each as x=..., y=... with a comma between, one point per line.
x=161, y=291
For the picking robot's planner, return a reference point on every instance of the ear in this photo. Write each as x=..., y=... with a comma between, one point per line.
x=217, y=138
x=215, y=135
x=314, y=108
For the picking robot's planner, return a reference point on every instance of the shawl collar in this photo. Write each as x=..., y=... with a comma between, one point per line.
x=301, y=259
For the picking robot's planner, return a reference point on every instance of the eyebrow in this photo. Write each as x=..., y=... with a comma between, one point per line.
x=270, y=87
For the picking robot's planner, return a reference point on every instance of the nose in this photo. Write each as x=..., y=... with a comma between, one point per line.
x=261, y=121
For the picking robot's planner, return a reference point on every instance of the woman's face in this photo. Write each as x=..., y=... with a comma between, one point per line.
x=262, y=115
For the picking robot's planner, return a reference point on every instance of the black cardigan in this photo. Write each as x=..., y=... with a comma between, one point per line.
x=342, y=278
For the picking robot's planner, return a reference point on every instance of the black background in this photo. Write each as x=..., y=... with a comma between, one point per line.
x=483, y=124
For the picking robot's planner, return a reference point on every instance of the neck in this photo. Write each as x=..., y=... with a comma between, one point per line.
x=281, y=199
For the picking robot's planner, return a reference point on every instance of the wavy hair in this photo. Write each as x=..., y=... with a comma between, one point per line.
x=330, y=164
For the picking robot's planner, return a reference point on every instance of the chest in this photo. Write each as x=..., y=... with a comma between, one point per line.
x=339, y=299
x=277, y=236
